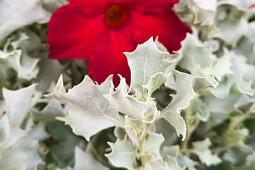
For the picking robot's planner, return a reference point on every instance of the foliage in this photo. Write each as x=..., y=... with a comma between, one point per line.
x=193, y=109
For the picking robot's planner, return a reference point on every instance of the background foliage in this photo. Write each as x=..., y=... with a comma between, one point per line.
x=218, y=123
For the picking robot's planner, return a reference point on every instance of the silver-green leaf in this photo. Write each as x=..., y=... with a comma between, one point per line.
x=186, y=86
x=129, y=105
x=145, y=62
x=89, y=110
x=123, y=154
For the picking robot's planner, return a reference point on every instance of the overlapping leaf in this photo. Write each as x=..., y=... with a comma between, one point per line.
x=152, y=145
x=89, y=110
x=18, y=60
x=231, y=22
x=16, y=14
x=18, y=104
x=146, y=62
x=123, y=154
x=86, y=161
x=128, y=104
x=16, y=143
x=241, y=78
x=194, y=52
x=172, y=164
x=202, y=12
x=186, y=87
x=201, y=148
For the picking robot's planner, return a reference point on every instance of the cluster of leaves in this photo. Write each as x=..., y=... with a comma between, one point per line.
x=194, y=109
x=93, y=107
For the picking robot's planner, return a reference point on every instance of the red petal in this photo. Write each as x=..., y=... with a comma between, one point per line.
x=99, y=6
x=170, y=29
x=109, y=58
x=158, y=7
x=74, y=31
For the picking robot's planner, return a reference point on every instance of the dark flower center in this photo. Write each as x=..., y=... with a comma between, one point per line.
x=116, y=15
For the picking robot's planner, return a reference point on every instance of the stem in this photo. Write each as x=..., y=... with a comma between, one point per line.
x=143, y=136
x=247, y=115
x=141, y=139
x=189, y=134
x=191, y=125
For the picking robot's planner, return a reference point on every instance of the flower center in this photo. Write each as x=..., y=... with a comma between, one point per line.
x=116, y=15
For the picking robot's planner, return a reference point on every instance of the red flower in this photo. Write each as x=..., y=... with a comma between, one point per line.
x=101, y=30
